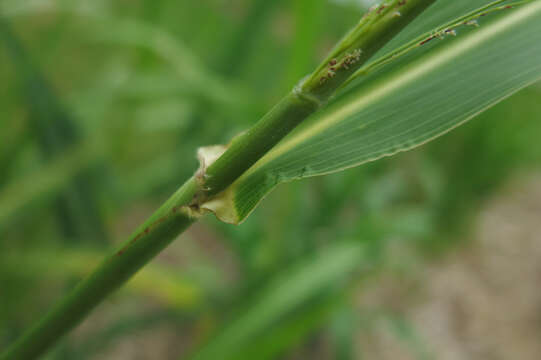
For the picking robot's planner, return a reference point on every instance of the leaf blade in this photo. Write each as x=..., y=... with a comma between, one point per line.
x=381, y=118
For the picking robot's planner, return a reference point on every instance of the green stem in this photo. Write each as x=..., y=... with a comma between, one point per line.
x=375, y=29
x=151, y=238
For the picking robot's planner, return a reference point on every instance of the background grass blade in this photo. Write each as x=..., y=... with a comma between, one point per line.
x=46, y=182
x=56, y=133
x=160, y=282
x=282, y=296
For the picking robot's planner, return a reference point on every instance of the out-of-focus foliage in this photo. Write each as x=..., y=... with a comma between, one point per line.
x=103, y=107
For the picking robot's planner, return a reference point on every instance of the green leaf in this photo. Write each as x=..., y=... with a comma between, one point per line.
x=46, y=182
x=287, y=292
x=56, y=133
x=293, y=331
x=418, y=99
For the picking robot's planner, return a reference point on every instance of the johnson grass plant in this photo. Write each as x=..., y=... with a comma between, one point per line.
x=406, y=73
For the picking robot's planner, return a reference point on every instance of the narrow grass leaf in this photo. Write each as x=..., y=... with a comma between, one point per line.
x=282, y=296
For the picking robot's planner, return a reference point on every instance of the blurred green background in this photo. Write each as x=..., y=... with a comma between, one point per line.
x=431, y=254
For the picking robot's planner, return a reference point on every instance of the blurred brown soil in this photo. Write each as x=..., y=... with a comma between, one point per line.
x=481, y=302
